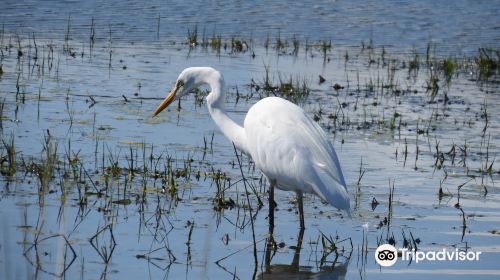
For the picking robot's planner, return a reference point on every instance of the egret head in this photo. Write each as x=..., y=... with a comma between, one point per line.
x=188, y=80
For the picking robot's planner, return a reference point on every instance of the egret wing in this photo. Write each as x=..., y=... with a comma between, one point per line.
x=290, y=147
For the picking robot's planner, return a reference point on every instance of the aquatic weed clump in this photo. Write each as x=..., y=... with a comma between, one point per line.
x=45, y=168
x=449, y=67
x=488, y=63
x=293, y=89
x=10, y=148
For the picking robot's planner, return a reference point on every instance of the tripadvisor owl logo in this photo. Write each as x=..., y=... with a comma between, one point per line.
x=386, y=255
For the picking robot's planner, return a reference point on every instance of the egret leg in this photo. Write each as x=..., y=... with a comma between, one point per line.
x=301, y=209
x=272, y=205
x=296, y=256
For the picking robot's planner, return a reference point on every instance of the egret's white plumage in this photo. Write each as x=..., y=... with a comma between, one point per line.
x=290, y=148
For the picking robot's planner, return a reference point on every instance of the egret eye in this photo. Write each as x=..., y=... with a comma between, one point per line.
x=180, y=86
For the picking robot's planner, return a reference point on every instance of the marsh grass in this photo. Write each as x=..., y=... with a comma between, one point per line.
x=432, y=84
x=361, y=172
x=414, y=64
x=222, y=183
x=44, y=169
x=66, y=46
x=390, y=210
x=295, y=89
x=449, y=67
x=92, y=37
x=10, y=148
x=238, y=46
x=336, y=246
x=488, y=63
x=20, y=51
x=250, y=210
x=216, y=43
x=192, y=38
x=280, y=45
x=428, y=54
x=325, y=47
x=113, y=167
x=71, y=163
x=296, y=46
x=2, y=106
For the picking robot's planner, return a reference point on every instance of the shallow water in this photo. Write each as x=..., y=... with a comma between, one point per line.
x=97, y=112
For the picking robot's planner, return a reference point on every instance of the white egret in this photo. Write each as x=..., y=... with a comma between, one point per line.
x=290, y=149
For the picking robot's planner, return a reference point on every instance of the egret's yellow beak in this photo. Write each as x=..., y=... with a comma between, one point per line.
x=170, y=97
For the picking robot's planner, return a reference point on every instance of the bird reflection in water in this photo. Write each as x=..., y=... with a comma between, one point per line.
x=294, y=270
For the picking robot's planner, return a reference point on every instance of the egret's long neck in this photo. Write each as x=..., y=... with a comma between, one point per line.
x=215, y=104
